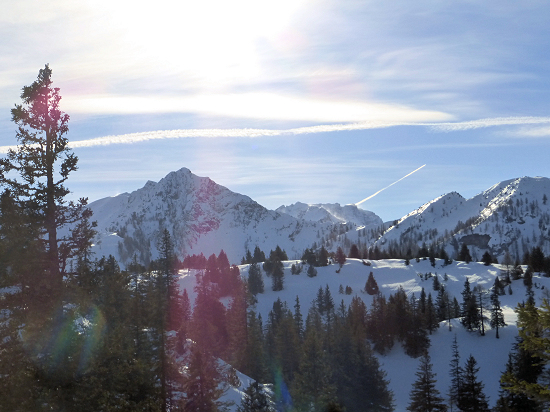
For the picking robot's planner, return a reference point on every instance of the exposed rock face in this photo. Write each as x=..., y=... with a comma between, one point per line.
x=477, y=240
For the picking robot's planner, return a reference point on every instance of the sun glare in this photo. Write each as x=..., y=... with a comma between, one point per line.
x=213, y=41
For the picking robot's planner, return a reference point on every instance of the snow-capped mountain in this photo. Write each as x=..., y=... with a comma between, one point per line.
x=512, y=216
x=331, y=212
x=201, y=216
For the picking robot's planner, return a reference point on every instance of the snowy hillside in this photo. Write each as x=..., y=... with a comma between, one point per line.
x=490, y=353
x=512, y=216
x=331, y=212
x=202, y=217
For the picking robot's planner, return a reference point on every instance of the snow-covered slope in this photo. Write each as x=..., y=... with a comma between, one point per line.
x=490, y=353
x=331, y=212
x=202, y=217
x=512, y=216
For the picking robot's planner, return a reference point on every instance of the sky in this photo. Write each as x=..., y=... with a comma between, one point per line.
x=317, y=101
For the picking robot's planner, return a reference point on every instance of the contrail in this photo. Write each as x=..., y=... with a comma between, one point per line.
x=397, y=181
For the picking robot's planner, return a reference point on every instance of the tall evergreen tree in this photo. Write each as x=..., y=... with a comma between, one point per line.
x=469, y=313
x=371, y=287
x=313, y=387
x=497, y=317
x=456, y=373
x=255, y=399
x=340, y=257
x=277, y=276
x=470, y=394
x=255, y=280
x=464, y=254
x=204, y=383
x=35, y=174
x=533, y=352
x=424, y=395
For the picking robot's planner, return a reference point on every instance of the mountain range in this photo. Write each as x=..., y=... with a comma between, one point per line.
x=203, y=217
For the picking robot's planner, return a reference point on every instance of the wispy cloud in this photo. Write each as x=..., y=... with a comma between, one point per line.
x=491, y=122
x=257, y=105
x=256, y=133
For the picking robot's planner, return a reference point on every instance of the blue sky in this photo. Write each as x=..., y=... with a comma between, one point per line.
x=292, y=100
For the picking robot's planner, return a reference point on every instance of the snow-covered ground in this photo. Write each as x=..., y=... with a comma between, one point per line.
x=490, y=353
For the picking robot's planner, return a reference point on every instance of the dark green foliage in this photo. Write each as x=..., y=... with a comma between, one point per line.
x=536, y=260
x=255, y=400
x=313, y=387
x=522, y=366
x=311, y=271
x=322, y=257
x=517, y=272
x=464, y=254
x=208, y=325
x=255, y=279
x=202, y=383
x=416, y=340
x=456, y=373
x=497, y=317
x=424, y=395
x=436, y=283
x=487, y=259
x=531, y=353
x=340, y=257
x=277, y=276
x=309, y=257
x=371, y=287
x=470, y=311
x=35, y=174
x=296, y=269
x=354, y=252
x=360, y=383
x=431, y=320
x=470, y=394
x=259, y=256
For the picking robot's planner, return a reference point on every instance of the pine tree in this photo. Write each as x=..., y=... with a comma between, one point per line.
x=520, y=366
x=469, y=313
x=430, y=317
x=470, y=394
x=497, y=317
x=322, y=258
x=255, y=399
x=255, y=360
x=340, y=257
x=255, y=280
x=456, y=373
x=277, y=276
x=354, y=252
x=311, y=271
x=424, y=395
x=416, y=341
x=204, y=383
x=487, y=259
x=35, y=174
x=533, y=352
x=259, y=256
x=313, y=388
x=464, y=254
x=371, y=287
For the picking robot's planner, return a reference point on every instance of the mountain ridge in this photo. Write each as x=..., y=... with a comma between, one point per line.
x=203, y=217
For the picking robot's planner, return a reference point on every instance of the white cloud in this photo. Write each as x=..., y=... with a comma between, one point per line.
x=491, y=122
x=255, y=133
x=256, y=106
x=530, y=132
